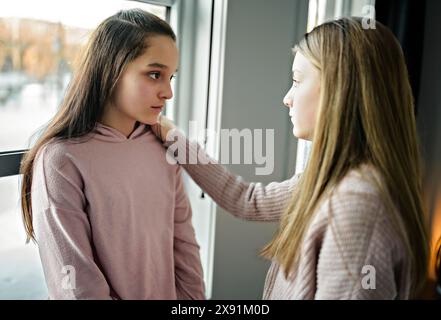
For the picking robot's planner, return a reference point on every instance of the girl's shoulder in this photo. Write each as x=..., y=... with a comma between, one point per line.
x=55, y=153
x=358, y=198
x=363, y=181
x=55, y=170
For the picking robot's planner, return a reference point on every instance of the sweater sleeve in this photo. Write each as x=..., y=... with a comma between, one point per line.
x=356, y=260
x=245, y=200
x=188, y=270
x=63, y=231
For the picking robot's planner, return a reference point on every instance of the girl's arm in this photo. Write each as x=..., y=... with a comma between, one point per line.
x=245, y=200
x=188, y=270
x=63, y=232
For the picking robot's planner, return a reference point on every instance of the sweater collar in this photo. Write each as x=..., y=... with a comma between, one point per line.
x=106, y=133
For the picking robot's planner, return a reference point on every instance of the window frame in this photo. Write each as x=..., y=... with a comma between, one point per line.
x=197, y=29
x=10, y=162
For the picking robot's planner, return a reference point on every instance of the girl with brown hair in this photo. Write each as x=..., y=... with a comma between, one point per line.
x=110, y=215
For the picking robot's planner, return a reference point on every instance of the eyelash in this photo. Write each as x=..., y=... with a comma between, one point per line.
x=295, y=83
x=159, y=74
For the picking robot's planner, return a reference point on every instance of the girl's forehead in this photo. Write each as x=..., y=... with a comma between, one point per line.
x=301, y=65
x=161, y=52
x=300, y=62
x=161, y=44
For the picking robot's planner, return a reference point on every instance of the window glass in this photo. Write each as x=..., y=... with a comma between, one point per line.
x=39, y=41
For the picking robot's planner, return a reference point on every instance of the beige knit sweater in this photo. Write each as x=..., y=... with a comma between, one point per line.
x=356, y=255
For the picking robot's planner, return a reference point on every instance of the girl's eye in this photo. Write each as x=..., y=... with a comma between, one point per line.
x=295, y=83
x=154, y=75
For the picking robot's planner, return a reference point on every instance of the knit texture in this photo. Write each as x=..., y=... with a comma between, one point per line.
x=113, y=221
x=351, y=249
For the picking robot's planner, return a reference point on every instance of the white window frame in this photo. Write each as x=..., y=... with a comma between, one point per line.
x=193, y=23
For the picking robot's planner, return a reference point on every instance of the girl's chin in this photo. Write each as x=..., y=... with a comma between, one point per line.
x=151, y=120
x=299, y=134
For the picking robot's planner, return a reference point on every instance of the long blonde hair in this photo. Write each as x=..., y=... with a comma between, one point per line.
x=365, y=116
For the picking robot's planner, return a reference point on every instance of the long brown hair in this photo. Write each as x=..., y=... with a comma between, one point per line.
x=365, y=116
x=117, y=41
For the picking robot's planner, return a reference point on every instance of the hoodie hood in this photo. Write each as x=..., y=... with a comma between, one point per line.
x=106, y=133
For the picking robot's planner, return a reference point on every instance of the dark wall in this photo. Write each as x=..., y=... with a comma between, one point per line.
x=406, y=19
x=429, y=104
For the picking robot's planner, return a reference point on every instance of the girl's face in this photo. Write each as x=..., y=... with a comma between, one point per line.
x=303, y=97
x=144, y=86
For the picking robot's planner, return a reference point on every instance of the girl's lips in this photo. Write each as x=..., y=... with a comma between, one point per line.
x=157, y=108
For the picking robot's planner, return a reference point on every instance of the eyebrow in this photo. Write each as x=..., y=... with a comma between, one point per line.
x=299, y=73
x=159, y=65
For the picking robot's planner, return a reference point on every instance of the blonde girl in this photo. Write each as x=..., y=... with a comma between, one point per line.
x=352, y=225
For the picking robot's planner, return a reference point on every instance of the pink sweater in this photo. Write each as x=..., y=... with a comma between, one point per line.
x=112, y=220
x=351, y=249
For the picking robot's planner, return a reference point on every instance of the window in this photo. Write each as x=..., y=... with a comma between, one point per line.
x=21, y=274
x=38, y=43
x=195, y=90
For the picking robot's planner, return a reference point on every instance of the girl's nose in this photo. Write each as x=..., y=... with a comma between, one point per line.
x=287, y=101
x=167, y=92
